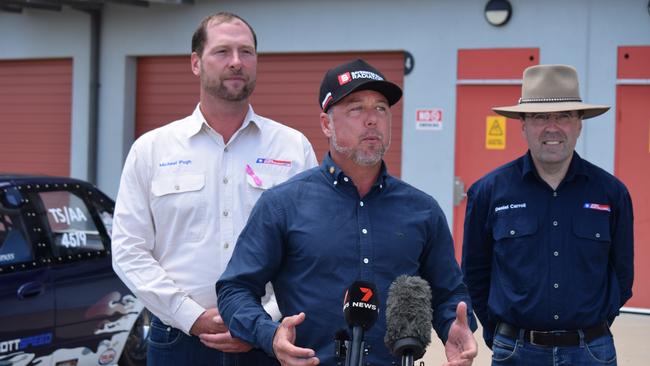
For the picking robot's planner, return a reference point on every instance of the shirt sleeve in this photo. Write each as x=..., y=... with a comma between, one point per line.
x=441, y=270
x=477, y=256
x=132, y=246
x=622, y=254
x=256, y=258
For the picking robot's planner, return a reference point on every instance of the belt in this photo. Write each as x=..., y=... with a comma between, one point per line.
x=553, y=338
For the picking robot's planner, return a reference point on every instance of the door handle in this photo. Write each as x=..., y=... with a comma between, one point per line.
x=30, y=289
x=459, y=191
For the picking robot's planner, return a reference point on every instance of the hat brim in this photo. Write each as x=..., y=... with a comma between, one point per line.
x=391, y=91
x=588, y=110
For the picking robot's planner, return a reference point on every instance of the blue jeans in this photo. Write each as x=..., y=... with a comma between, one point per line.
x=171, y=347
x=507, y=351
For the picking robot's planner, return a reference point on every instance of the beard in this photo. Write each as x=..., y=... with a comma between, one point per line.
x=360, y=157
x=217, y=88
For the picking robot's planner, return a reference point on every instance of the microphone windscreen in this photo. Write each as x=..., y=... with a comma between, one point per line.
x=361, y=304
x=408, y=316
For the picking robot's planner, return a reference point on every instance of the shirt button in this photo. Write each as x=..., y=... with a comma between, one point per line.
x=225, y=180
x=554, y=223
x=225, y=212
x=556, y=317
x=597, y=235
x=512, y=232
x=554, y=194
x=555, y=285
x=364, y=231
x=345, y=179
x=225, y=149
x=226, y=245
x=556, y=253
x=361, y=203
x=177, y=187
x=366, y=260
x=336, y=182
x=381, y=186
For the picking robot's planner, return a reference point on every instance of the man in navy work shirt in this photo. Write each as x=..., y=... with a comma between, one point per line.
x=548, y=243
x=344, y=221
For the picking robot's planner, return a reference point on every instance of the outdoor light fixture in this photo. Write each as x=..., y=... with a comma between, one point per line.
x=497, y=12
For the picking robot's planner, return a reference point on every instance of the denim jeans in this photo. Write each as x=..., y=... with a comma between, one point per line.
x=507, y=351
x=171, y=347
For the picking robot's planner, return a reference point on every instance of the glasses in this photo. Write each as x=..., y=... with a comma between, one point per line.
x=542, y=119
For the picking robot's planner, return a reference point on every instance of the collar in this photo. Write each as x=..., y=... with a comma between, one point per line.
x=336, y=176
x=576, y=167
x=197, y=121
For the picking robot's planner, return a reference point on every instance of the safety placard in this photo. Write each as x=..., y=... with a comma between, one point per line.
x=495, y=133
x=428, y=119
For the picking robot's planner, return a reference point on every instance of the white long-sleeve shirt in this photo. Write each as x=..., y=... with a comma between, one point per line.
x=183, y=199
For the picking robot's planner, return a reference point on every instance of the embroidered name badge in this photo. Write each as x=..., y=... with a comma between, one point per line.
x=597, y=206
x=286, y=163
x=509, y=206
x=175, y=163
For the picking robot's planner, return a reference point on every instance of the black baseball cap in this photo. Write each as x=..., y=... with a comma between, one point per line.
x=354, y=76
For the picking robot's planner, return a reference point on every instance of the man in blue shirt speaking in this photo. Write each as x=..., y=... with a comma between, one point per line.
x=343, y=221
x=548, y=241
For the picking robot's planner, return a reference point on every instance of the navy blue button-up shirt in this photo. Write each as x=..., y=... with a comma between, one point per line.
x=313, y=236
x=546, y=259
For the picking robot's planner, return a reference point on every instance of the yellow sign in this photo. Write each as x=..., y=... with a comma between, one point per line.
x=495, y=133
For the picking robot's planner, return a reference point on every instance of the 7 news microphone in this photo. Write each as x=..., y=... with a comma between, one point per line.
x=360, y=307
x=408, y=318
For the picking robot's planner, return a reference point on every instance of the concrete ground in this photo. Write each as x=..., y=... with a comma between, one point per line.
x=631, y=337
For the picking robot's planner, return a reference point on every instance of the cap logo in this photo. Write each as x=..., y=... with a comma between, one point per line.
x=344, y=78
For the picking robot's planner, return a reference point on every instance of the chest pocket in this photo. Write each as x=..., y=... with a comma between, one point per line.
x=179, y=206
x=514, y=227
x=592, y=225
x=256, y=185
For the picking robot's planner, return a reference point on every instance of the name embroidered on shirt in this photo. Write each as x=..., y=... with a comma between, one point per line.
x=174, y=163
x=509, y=206
x=286, y=163
x=597, y=206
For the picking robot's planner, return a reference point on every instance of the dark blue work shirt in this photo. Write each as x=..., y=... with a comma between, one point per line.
x=546, y=259
x=313, y=236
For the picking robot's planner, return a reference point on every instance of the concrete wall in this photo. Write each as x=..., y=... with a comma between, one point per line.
x=583, y=33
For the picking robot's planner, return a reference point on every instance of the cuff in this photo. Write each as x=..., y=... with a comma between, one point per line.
x=265, y=334
x=187, y=314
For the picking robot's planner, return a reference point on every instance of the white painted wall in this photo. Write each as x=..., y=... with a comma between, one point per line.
x=583, y=33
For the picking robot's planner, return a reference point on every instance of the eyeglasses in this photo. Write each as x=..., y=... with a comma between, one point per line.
x=542, y=119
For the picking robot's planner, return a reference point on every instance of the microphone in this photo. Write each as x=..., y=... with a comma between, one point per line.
x=360, y=307
x=408, y=318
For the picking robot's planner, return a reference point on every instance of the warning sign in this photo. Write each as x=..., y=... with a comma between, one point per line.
x=428, y=119
x=495, y=133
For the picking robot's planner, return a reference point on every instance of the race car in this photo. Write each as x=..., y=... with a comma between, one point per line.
x=61, y=304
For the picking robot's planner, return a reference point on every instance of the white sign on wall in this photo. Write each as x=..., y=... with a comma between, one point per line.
x=428, y=119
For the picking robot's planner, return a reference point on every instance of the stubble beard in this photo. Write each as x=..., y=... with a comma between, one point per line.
x=218, y=89
x=360, y=157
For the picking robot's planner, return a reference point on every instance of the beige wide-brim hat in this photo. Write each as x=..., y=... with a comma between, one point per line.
x=550, y=88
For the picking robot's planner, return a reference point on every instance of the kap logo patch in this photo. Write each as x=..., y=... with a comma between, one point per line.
x=597, y=206
x=345, y=78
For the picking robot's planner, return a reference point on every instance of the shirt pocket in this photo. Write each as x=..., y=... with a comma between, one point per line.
x=591, y=247
x=179, y=207
x=516, y=243
x=256, y=185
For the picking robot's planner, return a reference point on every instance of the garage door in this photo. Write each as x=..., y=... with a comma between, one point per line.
x=35, y=117
x=286, y=91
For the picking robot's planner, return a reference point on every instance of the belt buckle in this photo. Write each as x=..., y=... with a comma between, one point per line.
x=532, y=337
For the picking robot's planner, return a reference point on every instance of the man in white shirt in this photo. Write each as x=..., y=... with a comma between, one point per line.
x=186, y=191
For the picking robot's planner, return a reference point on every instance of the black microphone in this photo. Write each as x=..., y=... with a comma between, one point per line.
x=360, y=307
x=408, y=318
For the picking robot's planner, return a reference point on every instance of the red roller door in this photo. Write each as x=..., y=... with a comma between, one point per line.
x=35, y=118
x=286, y=91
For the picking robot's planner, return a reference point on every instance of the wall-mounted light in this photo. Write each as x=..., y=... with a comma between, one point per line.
x=498, y=12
